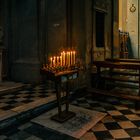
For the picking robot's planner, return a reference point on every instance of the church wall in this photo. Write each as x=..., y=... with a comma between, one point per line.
x=132, y=25
x=116, y=47
x=101, y=53
x=37, y=31
x=129, y=22
x=56, y=27
x=139, y=30
x=23, y=41
x=79, y=37
x=122, y=15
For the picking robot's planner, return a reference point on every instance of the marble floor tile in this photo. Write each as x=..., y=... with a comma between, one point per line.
x=126, y=124
x=118, y=134
x=99, y=127
x=133, y=117
x=114, y=113
x=88, y=136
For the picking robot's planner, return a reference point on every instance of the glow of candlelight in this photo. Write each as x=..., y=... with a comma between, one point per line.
x=51, y=63
x=71, y=58
x=64, y=58
x=57, y=60
x=61, y=60
x=74, y=57
x=68, y=58
x=54, y=61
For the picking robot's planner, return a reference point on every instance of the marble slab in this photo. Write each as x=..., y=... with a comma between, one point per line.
x=8, y=87
x=34, y=104
x=75, y=127
x=7, y=114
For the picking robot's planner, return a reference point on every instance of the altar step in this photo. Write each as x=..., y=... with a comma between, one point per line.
x=10, y=87
x=23, y=113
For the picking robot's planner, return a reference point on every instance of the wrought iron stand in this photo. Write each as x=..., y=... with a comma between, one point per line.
x=57, y=77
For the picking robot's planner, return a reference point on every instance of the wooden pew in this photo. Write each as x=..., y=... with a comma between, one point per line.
x=117, y=65
x=127, y=61
x=123, y=60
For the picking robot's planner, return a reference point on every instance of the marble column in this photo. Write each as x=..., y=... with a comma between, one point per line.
x=24, y=58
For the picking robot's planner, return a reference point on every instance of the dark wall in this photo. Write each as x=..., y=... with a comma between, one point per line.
x=1, y=22
x=37, y=29
x=23, y=40
x=78, y=28
x=116, y=48
x=25, y=30
x=56, y=26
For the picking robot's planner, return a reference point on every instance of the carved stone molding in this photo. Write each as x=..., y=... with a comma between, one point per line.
x=101, y=4
x=132, y=8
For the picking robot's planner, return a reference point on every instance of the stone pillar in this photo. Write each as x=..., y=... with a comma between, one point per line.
x=23, y=45
x=132, y=25
x=1, y=52
x=122, y=15
x=116, y=47
x=139, y=29
x=0, y=65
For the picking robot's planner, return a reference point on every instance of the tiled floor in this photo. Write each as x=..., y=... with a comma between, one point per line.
x=10, y=101
x=121, y=123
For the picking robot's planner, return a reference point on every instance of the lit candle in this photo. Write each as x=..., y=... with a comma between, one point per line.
x=68, y=58
x=51, y=63
x=64, y=55
x=54, y=61
x=74, y=57
x=57, y=60
x=71, y=58
x=61, y=60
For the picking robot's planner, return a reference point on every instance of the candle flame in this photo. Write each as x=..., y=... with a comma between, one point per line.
x=66, y=58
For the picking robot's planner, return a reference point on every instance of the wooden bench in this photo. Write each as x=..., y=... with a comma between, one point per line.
x=118, y=72
x=124, y=60
x=120, y=64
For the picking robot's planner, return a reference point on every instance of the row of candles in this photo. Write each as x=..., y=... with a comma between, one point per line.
x=65, y=59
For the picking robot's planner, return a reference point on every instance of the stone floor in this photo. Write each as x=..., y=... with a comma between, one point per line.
x=10, y=86
x=83, y=120
x=18, y=108
x=13, y=104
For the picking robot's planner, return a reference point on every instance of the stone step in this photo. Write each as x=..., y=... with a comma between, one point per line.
x=9, y=87
x=25, y=112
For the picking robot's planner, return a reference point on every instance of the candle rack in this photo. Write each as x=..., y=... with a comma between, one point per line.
x=56, y=74
x=66, y=59
x=59, y=67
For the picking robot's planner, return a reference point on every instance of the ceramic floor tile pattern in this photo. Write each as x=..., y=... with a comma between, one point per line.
x=22, y=97
x=121, y=122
